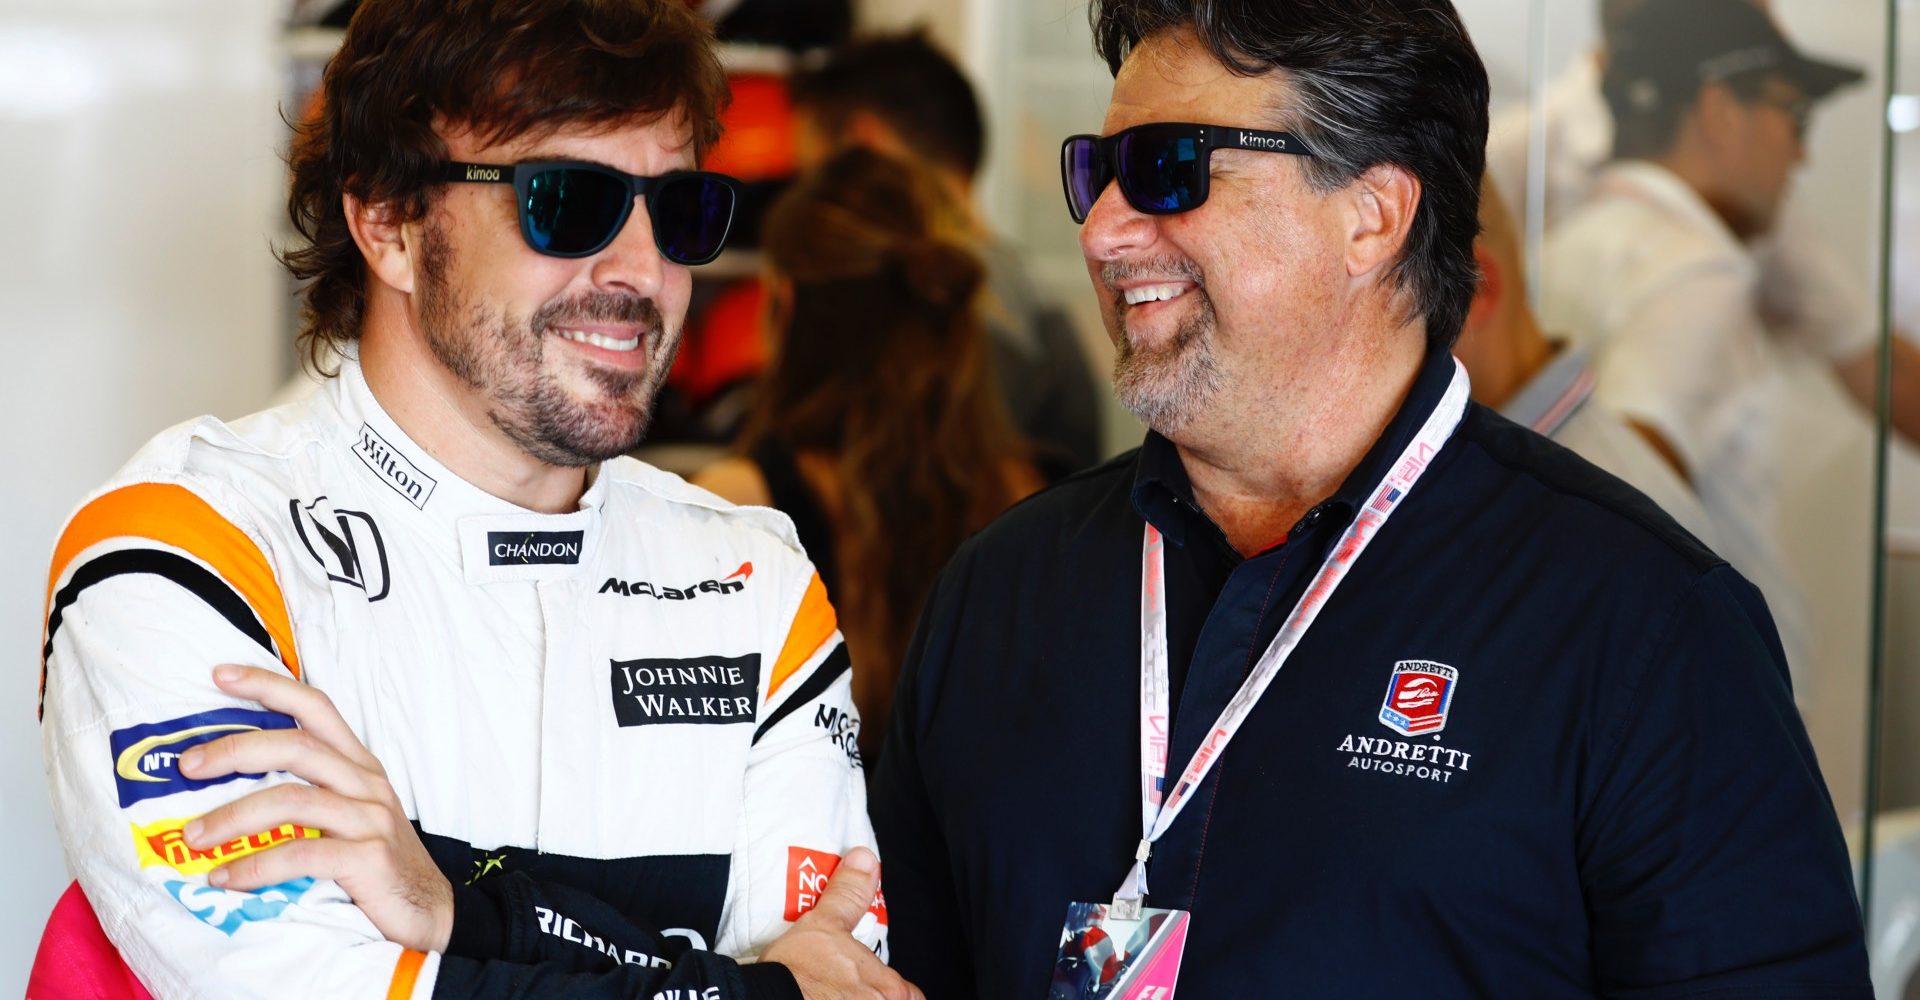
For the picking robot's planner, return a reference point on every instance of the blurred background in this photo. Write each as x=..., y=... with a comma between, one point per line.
x=141, y=192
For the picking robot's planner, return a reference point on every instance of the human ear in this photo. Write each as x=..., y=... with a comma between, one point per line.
x=385, y=242
x=1383, y=200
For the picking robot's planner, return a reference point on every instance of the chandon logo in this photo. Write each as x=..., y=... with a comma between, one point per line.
x=534, y=548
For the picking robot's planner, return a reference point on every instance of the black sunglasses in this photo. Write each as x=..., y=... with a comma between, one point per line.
x=573, y=209
x=1162, y=166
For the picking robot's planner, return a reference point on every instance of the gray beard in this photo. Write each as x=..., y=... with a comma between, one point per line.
x=1167, y=387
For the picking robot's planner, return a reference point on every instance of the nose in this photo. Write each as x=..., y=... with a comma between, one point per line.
x=1115, y=228
x=632, y=263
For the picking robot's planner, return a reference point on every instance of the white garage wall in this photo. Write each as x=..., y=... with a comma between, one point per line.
x=139, y=184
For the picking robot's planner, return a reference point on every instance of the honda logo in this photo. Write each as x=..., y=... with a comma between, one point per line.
x=346, y=543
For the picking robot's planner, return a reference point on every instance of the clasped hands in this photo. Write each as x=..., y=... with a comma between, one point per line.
x=371, y=849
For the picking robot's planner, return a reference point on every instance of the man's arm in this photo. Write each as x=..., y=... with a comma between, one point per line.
x=1709, y=852
x=1861, y=373
x=150, y=585
x=805, y=799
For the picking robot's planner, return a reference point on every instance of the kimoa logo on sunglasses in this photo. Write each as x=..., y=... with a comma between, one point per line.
x=482, y=174
x=1249, y=139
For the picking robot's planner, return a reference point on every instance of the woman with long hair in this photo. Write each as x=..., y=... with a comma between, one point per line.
x=877, y=428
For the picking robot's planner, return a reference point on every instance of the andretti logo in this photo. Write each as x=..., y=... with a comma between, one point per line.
x=165, y=843
x=1418, y=697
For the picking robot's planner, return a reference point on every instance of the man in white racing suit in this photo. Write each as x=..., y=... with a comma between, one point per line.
x=594, y=732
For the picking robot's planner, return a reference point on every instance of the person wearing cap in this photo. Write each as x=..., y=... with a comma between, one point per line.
x=1813, y=301
x=1363, y=689
x=1656, y=275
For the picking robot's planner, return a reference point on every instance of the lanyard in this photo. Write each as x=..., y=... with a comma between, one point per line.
x=1159, y=807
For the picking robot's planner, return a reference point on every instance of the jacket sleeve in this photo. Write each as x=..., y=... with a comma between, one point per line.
x=805, y=800
x=929, y=948
x=149, y=589
x=515, y=937
x=1709, y=851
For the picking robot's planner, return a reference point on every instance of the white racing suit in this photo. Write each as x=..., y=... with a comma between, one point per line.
x=625, y=733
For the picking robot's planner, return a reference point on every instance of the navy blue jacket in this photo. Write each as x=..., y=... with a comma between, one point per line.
x=1622, y=801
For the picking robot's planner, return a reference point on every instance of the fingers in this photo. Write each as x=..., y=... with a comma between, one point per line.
x=849, y=890
x=304, y=805
x=318, y=858
x=308, y=706
x=295, y=751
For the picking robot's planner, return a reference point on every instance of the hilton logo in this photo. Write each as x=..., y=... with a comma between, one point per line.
x=1252, y=141
x=400, y=475
x=482, y=174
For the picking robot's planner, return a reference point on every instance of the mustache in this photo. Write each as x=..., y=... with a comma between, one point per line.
x=599, y=307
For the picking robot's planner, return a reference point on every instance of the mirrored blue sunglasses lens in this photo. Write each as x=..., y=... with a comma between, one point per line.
x=691, y=216
x=572, y=211
x=1160, y=173
x=1085, y=173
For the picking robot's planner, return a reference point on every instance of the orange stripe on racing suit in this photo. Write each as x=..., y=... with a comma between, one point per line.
x=813, y=625
x=173, y=515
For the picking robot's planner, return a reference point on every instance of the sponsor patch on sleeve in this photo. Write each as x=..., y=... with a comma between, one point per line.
x=225, y=910
x=146, y=757
x=807, y=874
x=165, y=843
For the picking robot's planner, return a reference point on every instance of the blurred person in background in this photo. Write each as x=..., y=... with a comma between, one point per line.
x=1810, y=299
x=1548, y=385
x=1656, y=276
x=902, y=95
x=876, y=428
x=415, y=687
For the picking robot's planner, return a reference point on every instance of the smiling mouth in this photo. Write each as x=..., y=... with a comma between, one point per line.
x=600, y=340
x=1153, y=293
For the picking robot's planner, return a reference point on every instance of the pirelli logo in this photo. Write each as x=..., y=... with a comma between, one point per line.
x=165, y=843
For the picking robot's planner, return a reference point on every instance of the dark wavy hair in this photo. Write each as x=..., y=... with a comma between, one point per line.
x=1369, y=82
x=881, y=362
x=408, y=71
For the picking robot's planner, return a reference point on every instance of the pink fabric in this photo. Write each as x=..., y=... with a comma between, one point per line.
x=76, y=961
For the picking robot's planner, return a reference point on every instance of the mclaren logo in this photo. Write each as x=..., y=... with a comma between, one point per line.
x=346, y=544
x=732, y=583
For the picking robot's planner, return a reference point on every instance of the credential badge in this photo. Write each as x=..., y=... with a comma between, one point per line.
x=1418, y=697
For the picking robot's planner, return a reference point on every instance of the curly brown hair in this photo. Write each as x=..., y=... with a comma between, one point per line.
x=409, y=71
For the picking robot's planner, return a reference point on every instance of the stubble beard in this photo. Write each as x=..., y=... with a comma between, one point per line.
x=1166, y=387
x=504, y=358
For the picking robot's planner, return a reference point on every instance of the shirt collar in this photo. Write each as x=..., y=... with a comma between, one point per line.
x=1667, y=193
x=1554, y=393
x=1163, y=495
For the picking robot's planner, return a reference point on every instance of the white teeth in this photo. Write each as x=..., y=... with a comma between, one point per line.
x=1154, y=293
x=601, y=340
